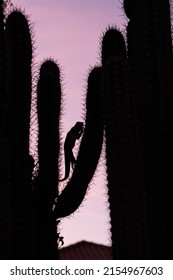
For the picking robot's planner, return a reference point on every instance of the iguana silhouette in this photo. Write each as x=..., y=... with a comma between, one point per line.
x=74, y=133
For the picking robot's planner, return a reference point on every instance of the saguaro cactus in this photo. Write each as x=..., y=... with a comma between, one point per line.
x=150, y=60
x=27, y=225
x=131, y=96
x=124, y=189
x=15, y=178
x=138, y=120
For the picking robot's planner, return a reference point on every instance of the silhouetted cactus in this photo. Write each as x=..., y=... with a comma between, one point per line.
x=130, y=7
x=113, y=45
x=27, y=225
x=15, y=178
x=90, y=149
x=138, y=122
x=124, y=189
x=46, y=183
x=131, y=98
x=48, y=107
x=150, y=59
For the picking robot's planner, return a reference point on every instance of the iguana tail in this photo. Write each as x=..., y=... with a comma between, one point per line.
x=67, y=168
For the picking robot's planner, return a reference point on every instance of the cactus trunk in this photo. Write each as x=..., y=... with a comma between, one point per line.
x=16, y=174
x=46, y=184
x=150, y=59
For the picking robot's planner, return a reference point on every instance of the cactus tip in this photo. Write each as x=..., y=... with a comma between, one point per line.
x=113, y=44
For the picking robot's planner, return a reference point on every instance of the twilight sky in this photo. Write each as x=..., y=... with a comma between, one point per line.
x=69, y=31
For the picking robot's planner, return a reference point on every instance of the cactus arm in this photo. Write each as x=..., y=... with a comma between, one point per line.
x=46, y=183
x=89, y=152
x=49, y=103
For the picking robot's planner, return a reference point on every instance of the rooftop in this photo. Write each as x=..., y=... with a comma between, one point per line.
x=85, y=250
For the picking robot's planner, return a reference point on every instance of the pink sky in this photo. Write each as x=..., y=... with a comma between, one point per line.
x=69, y=31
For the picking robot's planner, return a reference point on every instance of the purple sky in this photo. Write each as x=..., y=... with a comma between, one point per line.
x=69, y=31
